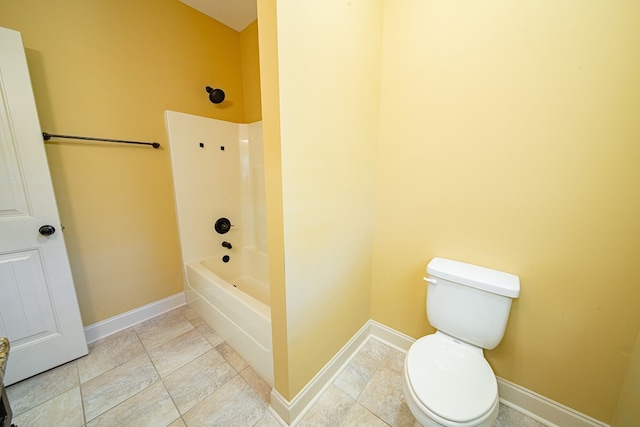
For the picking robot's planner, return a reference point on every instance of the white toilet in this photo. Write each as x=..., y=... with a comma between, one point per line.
x=447, y=380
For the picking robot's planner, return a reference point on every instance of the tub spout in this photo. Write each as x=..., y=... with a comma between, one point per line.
x=226, y=245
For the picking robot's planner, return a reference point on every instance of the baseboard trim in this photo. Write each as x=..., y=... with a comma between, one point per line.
x=291, y=411
x=527, y=402
x=125, y=320
x=542, y=409
x=276, y=416
x=390, y=336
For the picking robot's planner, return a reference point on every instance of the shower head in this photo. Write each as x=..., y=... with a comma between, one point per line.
x=215, y=95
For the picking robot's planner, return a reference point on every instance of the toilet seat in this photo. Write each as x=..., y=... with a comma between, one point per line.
x=450, y=379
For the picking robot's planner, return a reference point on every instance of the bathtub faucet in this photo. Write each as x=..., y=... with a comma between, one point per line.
x=226, y=245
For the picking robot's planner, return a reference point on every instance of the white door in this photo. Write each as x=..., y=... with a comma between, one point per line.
x=38, y=305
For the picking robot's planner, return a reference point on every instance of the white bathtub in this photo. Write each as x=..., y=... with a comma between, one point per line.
x=233, y=298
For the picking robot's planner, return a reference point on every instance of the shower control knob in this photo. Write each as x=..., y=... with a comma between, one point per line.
x=222, y=225
x=47, y=230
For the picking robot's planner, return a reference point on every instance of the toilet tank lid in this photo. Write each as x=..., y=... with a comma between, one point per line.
x=485, y=279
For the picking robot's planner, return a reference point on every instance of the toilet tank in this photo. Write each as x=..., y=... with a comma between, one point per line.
x=469, y=302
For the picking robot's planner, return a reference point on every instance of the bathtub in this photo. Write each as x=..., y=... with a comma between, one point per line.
x=233, y=298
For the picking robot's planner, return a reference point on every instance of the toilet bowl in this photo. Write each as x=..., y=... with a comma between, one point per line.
x=447, y=381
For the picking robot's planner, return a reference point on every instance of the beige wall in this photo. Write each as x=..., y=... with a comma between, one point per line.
x=110, y=69
x=509, y=138
x=327, y=66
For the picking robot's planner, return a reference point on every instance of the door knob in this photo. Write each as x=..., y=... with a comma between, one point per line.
x=47, y=230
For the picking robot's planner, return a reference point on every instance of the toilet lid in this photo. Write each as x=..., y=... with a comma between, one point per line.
x=452, y=380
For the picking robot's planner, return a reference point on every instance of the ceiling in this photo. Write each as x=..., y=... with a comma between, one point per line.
x=236, y=14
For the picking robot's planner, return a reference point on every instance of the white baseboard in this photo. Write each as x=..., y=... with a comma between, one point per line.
x=125, y=320
x=390, y=336
x=542, y=409
x=291, y=411
x=276, y=416
x=527, y=402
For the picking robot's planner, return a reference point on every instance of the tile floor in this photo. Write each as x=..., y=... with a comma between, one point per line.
x=174, y=370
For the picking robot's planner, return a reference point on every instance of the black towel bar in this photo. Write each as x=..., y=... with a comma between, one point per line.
x=48, y=136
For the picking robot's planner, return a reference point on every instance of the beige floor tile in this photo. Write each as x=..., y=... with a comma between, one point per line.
x=178, y=351
x=211, y=335
x=178, y=423
x=257, y=383
x=33, y=391
x=330, y=409
x=118, y=384
x=109, y=352
x=517, y=419
x=198, y=379
x=234, y=359
x=394, y=360
x=359, y=416
x=376, y=349
x=158, y=330
x=64, y=410
x=267, y=420
x=103, y=392
x=235, y=404
x=383, y=396
x=503, y=417
x=192, y=316
x=352, y=381
x=151, y=407
x=370, y=357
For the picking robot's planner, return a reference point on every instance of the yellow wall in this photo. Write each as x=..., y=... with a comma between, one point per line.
x=251, y=73
x=509, y=138
x=327, y=76
x=270, y=90
x=628, y=411
x=110, y=69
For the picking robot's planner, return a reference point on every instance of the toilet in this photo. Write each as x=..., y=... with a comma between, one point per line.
x=447, y=381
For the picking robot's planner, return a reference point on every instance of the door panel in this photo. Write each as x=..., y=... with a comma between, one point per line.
x=26, y=304
x=38, y=306
x=13, y=202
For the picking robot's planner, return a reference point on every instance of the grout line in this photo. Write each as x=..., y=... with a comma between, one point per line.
x=181, y=310
x=146, y=352
x=84, y=414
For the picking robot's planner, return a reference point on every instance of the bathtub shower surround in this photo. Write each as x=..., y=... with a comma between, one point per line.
x=218, y=178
